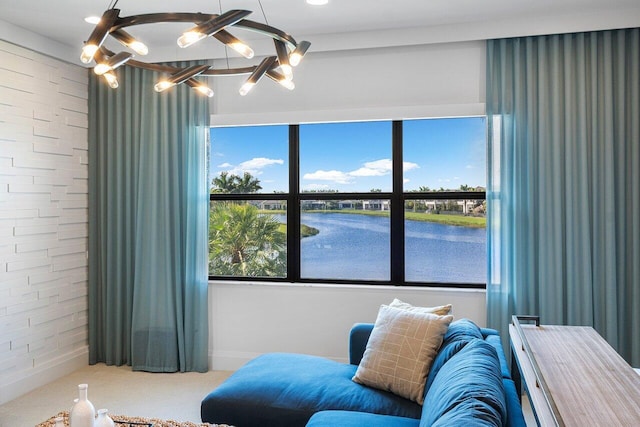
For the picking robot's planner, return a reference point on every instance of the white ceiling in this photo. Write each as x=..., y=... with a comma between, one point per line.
x=341, y=24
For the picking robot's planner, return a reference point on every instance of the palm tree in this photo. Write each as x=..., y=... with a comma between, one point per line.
x=234, y=184
x=247, y=184
x=222, y=183
x=244, y=243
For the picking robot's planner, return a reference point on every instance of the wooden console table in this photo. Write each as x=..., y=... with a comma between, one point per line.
x=572, y=376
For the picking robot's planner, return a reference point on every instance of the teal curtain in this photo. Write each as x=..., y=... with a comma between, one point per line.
x=564, y=182
x=147, y=224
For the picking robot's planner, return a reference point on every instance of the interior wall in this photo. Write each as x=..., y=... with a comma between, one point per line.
x=436, y=80
x=249, y=319
x=43, y=219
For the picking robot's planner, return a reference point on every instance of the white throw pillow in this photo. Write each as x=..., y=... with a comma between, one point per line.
x=400, y=351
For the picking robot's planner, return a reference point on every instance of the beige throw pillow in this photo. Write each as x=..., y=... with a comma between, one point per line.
x=400, y=351
x=441, y=310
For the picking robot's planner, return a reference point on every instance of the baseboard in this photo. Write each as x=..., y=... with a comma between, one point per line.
x=233, y=360
x=37, y=377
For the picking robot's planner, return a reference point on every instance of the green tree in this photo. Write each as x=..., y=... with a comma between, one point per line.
x=234, y=184
x=247, y=184
x=244, y=243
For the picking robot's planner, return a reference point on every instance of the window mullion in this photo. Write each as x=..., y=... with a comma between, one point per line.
x=397, y=208
x=293, y=206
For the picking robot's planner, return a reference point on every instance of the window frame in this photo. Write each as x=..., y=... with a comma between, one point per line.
x=397, y=197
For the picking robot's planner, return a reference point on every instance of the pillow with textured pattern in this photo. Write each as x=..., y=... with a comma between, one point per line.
x=440, y=310
x=400, y=350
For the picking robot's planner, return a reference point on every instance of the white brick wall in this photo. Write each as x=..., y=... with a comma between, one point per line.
x=43, y=219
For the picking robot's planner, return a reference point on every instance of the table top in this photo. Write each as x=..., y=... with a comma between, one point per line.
x=585, y=381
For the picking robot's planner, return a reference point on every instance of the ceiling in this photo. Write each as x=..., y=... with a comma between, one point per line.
x=341, y=24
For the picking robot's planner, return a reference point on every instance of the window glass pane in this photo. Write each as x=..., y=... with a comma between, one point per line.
x=248, y=238
x=249, y=159
x=445, y=240
x=444, y=154
x=345, y=157
x=442, y=245
x=345, y=239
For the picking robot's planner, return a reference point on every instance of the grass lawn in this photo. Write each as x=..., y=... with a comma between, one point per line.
x=456, y=220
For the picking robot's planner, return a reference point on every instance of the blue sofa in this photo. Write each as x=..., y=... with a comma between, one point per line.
x=468, y=384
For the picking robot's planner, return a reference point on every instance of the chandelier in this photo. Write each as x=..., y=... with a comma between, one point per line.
x=278, y=67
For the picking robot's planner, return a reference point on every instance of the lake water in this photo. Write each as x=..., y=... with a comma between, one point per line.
x=357, y=247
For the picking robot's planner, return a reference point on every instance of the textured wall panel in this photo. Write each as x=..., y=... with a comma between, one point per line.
x=43, y=215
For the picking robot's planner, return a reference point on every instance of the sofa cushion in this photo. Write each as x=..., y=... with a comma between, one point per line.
x=281, y=389
x=400, y=351
x=469, y=384
x=496, y=342
x=458, y=335
x=359, y=419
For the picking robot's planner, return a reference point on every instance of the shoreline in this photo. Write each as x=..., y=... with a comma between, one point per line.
x=444, y=219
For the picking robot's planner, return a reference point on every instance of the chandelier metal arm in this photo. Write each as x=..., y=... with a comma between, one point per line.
x=206, y=25
x=199, y=18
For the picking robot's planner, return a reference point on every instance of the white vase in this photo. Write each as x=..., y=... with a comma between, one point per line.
x=83, y=414
x=104, y=420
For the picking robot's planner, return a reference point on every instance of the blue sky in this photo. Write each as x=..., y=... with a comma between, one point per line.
x=356, y=157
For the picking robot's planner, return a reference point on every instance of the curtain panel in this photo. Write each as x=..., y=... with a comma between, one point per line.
x=147, y=224
x=564, y=182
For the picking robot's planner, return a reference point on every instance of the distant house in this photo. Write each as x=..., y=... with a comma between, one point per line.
x=467, y=206
x=313, y=204
x=271, y=205
x=347, y=204
x=375, y=205
x=433, y=205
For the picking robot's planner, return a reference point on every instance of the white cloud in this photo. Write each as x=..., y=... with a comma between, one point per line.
x=369, y=172
x=379, y=167
x=316, y=187
x=407, y=166
x=253, y=166
x=332, y=175
x=259, y=163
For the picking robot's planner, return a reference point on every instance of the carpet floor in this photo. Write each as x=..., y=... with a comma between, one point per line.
x=121, y=391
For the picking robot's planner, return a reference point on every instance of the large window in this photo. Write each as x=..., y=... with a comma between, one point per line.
x=366, y=202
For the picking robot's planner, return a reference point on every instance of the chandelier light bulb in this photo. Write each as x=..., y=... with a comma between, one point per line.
x=287, y=71
x=163, y=85
x=111, y=79
x=299, y=52
x=100, y=69
x=88, y=52
x=190, y=37
x=246, y=87
x=139, y=48
x=242, y=49
x=204, y=90
x=294, y=59
x=289, y=84
x=92, y=20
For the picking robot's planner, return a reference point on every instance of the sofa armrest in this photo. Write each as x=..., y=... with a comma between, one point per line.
x=358, y=338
